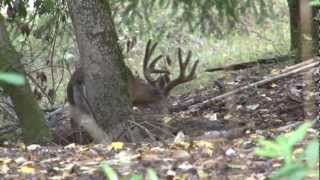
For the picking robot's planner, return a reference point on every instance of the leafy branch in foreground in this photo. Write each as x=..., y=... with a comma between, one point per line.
x=294, y=167
x=315, y=3
x=12, y=78
x=112, y=175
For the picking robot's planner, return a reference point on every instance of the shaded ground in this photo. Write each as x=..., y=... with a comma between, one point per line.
x=217, y=142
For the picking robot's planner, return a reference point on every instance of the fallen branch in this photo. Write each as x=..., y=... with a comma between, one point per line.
x=256, y=84
x=298, y=65
x=246, y=65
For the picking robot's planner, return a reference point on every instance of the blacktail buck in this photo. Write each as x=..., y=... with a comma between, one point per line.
x=142, y=92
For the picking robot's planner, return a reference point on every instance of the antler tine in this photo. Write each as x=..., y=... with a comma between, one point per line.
x=193, y=70
x=146, y=55
x=183, y=65
x=188, y=58
x=149, y=68
x=153, y=64
x=182, y=78
x=146, y=70
x=180, y=58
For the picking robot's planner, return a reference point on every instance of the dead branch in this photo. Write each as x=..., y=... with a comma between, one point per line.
x=256, y=84
x=298, y=65
x=245, y=65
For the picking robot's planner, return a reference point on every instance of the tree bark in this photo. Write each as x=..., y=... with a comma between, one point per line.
x=316, y=29
x=306, y=50
x=105, y=73
x=32, y=120
x=293, y=6
x=301, y=29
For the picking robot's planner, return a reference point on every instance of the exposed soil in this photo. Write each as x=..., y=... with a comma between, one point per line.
x=212, y=141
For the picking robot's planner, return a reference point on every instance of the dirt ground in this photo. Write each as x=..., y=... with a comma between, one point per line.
x=211, y=140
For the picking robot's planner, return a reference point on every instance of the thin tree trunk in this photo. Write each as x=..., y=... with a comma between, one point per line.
x=301, y=29
x=306, y=31
x=105, y=73
x=32, y=120
x=316, y=29
x=293, y=6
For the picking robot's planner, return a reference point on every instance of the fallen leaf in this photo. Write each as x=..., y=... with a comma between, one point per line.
x=26, y=170
x=115, y=146
x=180, y=155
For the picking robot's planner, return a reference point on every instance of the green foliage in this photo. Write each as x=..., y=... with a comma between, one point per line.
x=204, y=15
x=315, y=3
x=294, y=168
x=15, y=8
x=137, y=177
x=45, y=7
x=12, y=78
x=112, y=175
x=109, y=172
x=151, y=174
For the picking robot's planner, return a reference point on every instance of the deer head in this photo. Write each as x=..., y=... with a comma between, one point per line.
x=159, y=87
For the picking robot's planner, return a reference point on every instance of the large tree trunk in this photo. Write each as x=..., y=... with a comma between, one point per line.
x=31, y=118
x=105, y=73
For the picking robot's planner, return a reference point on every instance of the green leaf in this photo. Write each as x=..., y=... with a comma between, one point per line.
x=269, y=149
x=137, y=177
x=292, y=172
x=111, y=174
x=151, y=174
x=312, y=154
x=298, y=135
x=12, y=78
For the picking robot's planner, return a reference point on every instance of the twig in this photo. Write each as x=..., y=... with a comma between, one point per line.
x=145, y=129
x=40, y=88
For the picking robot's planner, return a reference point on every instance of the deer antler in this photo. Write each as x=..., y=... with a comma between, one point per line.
x=150, y=68
x=163, y=82
x=182, y=78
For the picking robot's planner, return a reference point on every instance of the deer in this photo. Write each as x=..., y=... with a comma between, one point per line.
x=142, y=92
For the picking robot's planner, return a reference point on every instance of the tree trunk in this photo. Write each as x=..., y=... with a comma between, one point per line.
x=301, y=29
x=294, y=24
x=306, y=50
x=316, y=29
x=105, y=73
x=31, y=118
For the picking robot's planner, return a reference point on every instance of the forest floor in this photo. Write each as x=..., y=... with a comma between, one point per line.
x=218, y=143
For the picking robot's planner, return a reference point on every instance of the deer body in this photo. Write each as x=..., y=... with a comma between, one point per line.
x=143, y=93
x=139, y=90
